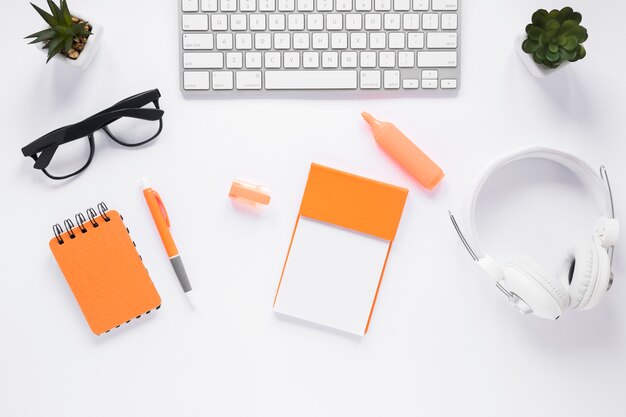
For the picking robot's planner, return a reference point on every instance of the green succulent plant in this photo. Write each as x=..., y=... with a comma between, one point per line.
x=555, y=37
x=64, y=29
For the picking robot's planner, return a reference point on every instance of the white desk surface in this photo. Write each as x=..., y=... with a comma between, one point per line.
x=442, y=342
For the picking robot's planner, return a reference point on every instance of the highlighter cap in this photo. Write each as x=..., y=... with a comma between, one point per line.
x=248, y=193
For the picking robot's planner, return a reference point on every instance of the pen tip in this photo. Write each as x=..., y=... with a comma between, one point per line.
x=144, y=183
x=191, y=300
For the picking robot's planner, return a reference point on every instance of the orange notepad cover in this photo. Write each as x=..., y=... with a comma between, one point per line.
x=105, y=272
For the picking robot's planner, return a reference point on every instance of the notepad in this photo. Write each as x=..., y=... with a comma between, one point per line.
x=104, y=270
x=339, y=249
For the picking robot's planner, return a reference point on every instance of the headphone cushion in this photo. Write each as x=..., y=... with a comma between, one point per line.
x=542, y=292
x=587, y=271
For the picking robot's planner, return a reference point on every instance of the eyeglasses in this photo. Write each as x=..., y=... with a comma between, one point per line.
x=69, y=150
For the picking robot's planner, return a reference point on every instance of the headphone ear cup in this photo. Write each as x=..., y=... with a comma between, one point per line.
x=587, y=272
x=543, y=293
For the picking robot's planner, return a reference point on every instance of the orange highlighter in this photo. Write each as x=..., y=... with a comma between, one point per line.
x=162, y=221
x=409, y=156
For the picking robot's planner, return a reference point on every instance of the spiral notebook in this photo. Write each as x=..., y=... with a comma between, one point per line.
x=103, y=269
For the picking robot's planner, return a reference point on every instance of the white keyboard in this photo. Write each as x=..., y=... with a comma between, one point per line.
x=243, y=47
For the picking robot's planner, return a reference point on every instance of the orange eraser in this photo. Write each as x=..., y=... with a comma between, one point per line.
x=248, y=193
x=409, y=156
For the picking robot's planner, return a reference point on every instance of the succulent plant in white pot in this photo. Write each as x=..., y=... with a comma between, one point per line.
x=69, y=37
x=552, y=40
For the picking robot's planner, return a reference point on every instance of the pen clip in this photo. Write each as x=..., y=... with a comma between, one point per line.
x=162, y=208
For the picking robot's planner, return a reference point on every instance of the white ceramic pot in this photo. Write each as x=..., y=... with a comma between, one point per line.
x=89, y=52
x=535, y=69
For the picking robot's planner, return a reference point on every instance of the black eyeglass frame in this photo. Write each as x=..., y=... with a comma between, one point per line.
x=43, y=149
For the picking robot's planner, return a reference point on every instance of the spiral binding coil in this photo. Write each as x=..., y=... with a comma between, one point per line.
x=80, y=222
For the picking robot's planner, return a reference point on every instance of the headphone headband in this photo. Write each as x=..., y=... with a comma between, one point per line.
x=594, y=182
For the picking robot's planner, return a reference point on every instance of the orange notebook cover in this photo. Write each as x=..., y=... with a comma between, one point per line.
x=104, y=270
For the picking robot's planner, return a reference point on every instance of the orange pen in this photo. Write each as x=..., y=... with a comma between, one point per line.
x=162, y=221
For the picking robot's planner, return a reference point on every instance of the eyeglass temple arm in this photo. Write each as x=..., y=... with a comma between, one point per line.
x=136, y=101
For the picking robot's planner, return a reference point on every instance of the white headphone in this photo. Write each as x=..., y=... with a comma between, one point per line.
x=587, y=276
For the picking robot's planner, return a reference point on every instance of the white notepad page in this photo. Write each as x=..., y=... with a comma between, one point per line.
x=331, y=276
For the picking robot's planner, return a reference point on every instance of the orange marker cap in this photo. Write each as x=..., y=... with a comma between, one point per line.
x=409, y=156
x=248, y=193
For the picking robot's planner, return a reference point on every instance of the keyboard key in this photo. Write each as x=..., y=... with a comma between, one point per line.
x=444, y=5
x=324, y=5
x=354, y=21
x=291, y=59
x=253, y=60
x=305, y=5
x=402, y=5
x=429, y=84
x=391, y=79
x=415, y=40
x=370, y=80
x=267, y=5
x=224, y=41
x=234, y=60
x=310, y=80
x=421, y=5
x=190, y=5
x=382, y=5
x=277, y=21
x=257, y=21
x=449, y=21
x=339, y=40
x=247, y=5
x=238, y=22
x=262, y=41
x=311, y=59
x=436, y=59
x=387, y=59
x=372, y=21
x=430, y=21
x=286, y=5
x=243, y=41
x=410, y=84
x=368, y=59
x=343, y=5
x=208, y=5
x=334, y=21
x=406, y=59
x=282, y=41
x=301, y=41
x=210, y=60
x=392, y=21
x=378, y=40
x=430, y=74
x=358, y=40
x=411, y=21
x=448, y=84
x=228, y=5
x=195, y=22
x=315, y=21
x=320, y=40
x=219, y=22
x=248, y=80
x=363, y=5
x=330, y=59
x=222, y=80
x=198, y=41
x=272, y=60
x=396, y=40
x=441, y=40
x=196, y=80
x=348, y=59
x=295, y=21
